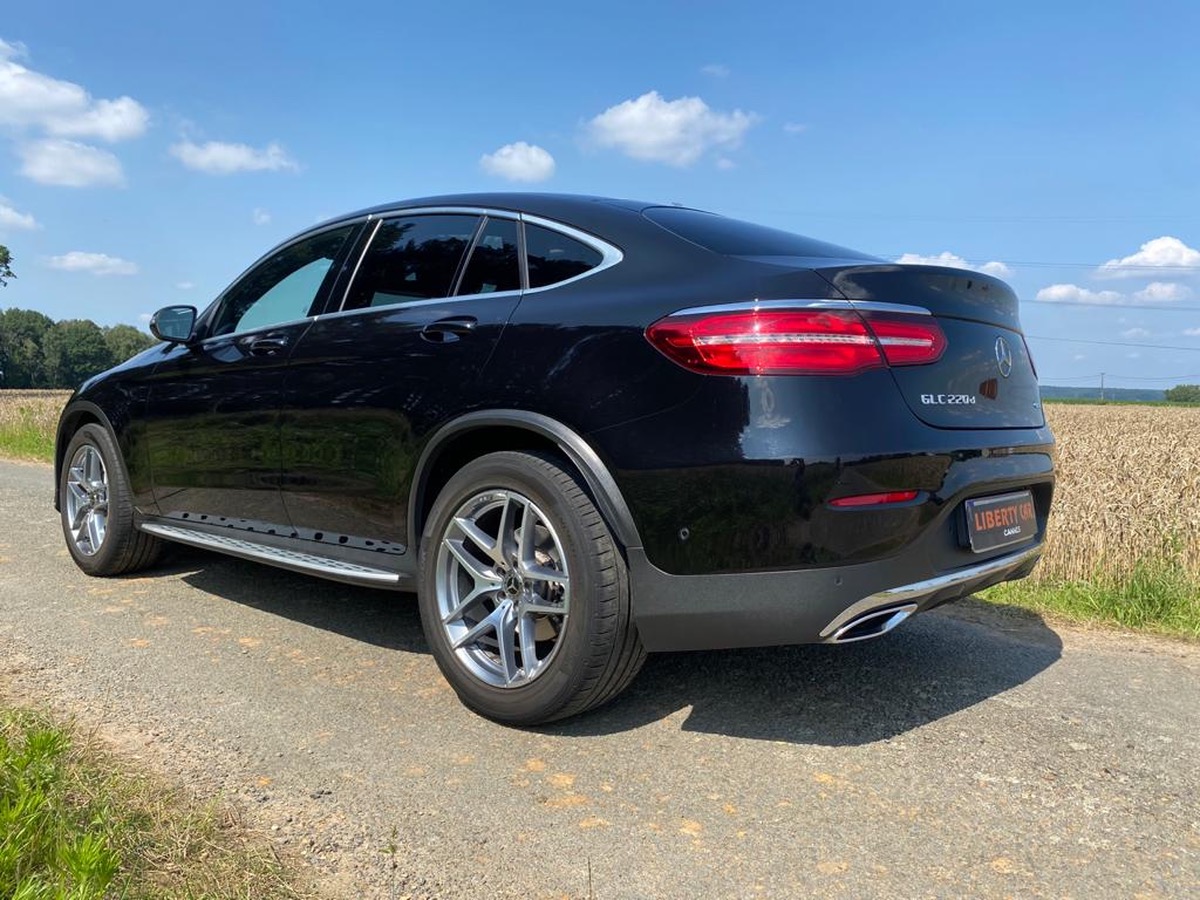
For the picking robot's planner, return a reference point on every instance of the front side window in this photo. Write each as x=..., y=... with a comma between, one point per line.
x=412, y=258
x=281, y=288
x=554, y=257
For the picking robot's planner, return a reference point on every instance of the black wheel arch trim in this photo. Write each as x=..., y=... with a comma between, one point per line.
x=579, y=452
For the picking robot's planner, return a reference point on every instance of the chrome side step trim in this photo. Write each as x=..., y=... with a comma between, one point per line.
x=295, y=560
x=920, y=590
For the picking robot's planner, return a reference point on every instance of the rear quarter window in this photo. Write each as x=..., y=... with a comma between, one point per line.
x=554, y=256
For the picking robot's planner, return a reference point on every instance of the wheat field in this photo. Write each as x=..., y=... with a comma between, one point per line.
x=1128, y=490
x=1128, y=481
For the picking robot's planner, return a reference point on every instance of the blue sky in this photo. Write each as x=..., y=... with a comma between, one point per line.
x=150, y=151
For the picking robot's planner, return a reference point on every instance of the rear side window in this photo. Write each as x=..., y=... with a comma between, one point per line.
x=733, y=237
x=412, y=258
x=554, y=257
x=495, y=263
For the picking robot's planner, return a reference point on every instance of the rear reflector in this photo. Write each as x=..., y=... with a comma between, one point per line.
x=874, y=499
x=795, y=342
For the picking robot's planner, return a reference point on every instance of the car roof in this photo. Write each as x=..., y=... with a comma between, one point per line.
x=590, y=213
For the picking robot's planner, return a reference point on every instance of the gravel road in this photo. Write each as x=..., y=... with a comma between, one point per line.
x=969, y=753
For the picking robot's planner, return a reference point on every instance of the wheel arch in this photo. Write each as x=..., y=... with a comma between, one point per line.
x=474, y=434
x=77, y=414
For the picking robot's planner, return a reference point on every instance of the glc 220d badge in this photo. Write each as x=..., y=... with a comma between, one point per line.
x=947, y=399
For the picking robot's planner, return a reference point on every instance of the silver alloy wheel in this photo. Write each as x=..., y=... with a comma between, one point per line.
x=87, y=500
x=503, y=589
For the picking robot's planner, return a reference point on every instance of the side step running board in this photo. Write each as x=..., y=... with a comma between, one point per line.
x=295, y=560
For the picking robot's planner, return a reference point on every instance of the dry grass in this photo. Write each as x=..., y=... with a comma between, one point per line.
x=1128, y=491
x=28, y=420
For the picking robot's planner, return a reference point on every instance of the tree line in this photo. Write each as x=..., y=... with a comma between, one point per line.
x=38, y=352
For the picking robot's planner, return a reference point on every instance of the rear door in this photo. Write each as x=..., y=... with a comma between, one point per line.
x=368, y=382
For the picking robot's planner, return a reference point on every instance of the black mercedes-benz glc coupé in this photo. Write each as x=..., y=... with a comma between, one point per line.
x=581, y=429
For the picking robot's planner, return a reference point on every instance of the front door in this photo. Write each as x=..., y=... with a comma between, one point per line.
x=213, y=423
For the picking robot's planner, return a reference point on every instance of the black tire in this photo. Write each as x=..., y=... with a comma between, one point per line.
x=123, y=548
x=596, y=651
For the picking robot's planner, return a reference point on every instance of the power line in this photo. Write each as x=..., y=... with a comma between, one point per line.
x=1039, y=337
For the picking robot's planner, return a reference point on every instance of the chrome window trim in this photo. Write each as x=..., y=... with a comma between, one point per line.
x=340, y=313
x=856, y=305
x=362, y=254
x=609, y=255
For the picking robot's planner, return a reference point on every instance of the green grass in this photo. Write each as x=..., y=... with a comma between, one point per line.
x=24, y=438
x=74, y=826
x=1159, y=596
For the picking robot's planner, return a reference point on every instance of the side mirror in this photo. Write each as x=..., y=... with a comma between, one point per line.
x=174, y=324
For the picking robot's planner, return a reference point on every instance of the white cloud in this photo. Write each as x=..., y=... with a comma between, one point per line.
x=1078, y=357
x=145, y=318
x=795, y=127
x=1162, y=292
x=185, y=285
x=1073, y=293
x=716, y=70
x=219, y=158
x=1135, y=333
x=1192, y=332
x=519, y=162
x=1162, y=251
x=954, y=261
x=260, y=216
x=11, y=220
x=95, y=263
x=676, y=132
x=12, y=51
x=30, y=99
x=69, y=164
x=725, y=163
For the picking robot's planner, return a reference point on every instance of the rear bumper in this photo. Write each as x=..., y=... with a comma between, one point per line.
x=823, y=605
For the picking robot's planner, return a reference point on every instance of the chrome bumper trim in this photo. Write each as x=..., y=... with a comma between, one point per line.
x=919, y=590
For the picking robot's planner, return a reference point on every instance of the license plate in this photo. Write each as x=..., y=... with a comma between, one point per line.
x=999, y=521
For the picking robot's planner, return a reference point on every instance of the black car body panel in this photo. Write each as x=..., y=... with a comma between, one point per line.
x=330, y=434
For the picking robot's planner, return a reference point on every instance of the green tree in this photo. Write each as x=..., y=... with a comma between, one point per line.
x=75, y=349
x=125, y=341
x=22, y=339
x=1184, y=393
x=6, y=271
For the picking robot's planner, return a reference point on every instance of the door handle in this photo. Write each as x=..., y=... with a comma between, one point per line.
x=269, y=345
x=447, y=331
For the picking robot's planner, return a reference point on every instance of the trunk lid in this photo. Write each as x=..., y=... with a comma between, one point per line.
x=985, y=378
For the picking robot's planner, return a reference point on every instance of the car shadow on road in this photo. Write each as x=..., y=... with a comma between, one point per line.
x=935, y=665
x=380, y=617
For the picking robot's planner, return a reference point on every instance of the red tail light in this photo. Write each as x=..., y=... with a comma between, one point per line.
x=795, y=342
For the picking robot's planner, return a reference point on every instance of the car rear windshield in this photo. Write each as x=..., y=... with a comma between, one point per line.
x=732, y=237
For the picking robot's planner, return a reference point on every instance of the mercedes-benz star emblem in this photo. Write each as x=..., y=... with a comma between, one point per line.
x=1004, y=359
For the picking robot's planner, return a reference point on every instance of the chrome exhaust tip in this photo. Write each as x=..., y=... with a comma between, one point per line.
x=873, y=624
